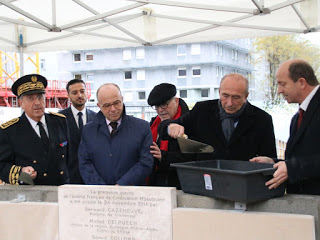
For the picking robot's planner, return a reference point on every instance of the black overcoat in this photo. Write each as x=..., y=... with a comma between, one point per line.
x=253, y=135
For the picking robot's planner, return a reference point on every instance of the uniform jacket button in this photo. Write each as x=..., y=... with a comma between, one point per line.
x=34, y=161
x=45, y=174
x=61, y=173
x=62, y=155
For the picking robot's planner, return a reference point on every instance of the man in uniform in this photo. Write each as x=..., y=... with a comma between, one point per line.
x=163, y=99
x=36, y=143
x=77, y=116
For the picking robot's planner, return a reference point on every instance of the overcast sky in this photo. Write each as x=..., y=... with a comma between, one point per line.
x=313, y=37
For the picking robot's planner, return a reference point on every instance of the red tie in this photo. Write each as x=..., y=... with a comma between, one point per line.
x=300, y=117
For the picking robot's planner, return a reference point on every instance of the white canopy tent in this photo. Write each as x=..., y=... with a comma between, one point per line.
x=52, y=25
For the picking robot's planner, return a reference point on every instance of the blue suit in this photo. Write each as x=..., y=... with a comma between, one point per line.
x=75, y=137
x=123, y=159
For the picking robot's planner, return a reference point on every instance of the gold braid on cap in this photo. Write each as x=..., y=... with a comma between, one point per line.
x=14, y=175
x=29, y=86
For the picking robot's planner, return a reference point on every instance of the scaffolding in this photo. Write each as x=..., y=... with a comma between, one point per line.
x=56, y=93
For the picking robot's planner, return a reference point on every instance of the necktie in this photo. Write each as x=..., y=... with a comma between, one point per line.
x=300, y=117
x=114, y=128
x=80, y=121
x=43, y=135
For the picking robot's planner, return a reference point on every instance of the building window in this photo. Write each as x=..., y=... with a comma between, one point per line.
x=181, y=50
x=89, y=57
x=221, y=72
x=90, y=80
x=76, y=57
x=220, y=50
x=77, y=76
x=126, y=54
x=182, y=73
x=196, y=72
x=141, y=74
x=205, y=93
x=127, y=97
x=142, y=95
x=235, y=54
x=217, y=49
x=183, y=93
x=248, y=58
x=127, y=75
x=195, y=49
x=139, y=53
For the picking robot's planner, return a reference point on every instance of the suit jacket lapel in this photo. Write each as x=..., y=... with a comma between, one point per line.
x=103, y=127
x=73, y=127
x=27, y=126
x=307, y=116
x=90, y=116
x=217, y=128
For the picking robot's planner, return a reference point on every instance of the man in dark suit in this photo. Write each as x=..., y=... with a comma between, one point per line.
x=298, y=84
x=235, y=129
x=77, y=116
x=36, y=143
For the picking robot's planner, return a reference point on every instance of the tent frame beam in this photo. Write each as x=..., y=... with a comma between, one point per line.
x=111, y=22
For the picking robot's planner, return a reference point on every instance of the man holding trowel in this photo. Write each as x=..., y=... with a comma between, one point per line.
x=235, y=129
x=163, y=99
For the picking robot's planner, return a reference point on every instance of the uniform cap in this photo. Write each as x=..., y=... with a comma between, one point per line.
x=29, y=84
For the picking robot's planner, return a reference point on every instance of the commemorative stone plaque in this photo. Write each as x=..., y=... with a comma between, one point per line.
x=115, y=213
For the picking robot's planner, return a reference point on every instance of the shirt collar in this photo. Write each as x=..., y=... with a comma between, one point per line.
x=304, y=105
x=34, y=123
x=76, y=111
x=119, y=121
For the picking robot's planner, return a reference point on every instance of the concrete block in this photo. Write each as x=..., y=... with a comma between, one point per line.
x=28, y=221
x=204, y=224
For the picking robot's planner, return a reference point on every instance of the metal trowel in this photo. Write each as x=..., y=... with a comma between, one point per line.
x=26, y=178
x=191, y=146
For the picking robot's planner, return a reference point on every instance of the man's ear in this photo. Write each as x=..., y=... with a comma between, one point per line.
x=303, y=83
x=20, y=102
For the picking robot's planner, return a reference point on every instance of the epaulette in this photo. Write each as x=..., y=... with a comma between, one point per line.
x=9, y=123
x=58, y=114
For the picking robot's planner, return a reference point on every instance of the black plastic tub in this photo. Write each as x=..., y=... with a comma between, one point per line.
x=238, y=181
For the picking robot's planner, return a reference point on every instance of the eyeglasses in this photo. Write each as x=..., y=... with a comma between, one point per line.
x=32, y=98
x=116, y=104
x=163, y=106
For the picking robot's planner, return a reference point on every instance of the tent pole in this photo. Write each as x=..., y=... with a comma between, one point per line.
x=21, y=56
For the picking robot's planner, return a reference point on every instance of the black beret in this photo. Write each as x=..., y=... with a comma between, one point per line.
x=29, y=84
x=161, y=93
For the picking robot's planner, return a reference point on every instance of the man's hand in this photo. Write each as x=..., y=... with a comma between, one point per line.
x=175, y=130
x=262, y=160
x=279, y=176
x=155, y=151
x=30, y=170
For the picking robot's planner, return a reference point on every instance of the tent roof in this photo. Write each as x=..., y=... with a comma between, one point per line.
x=52, y=25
